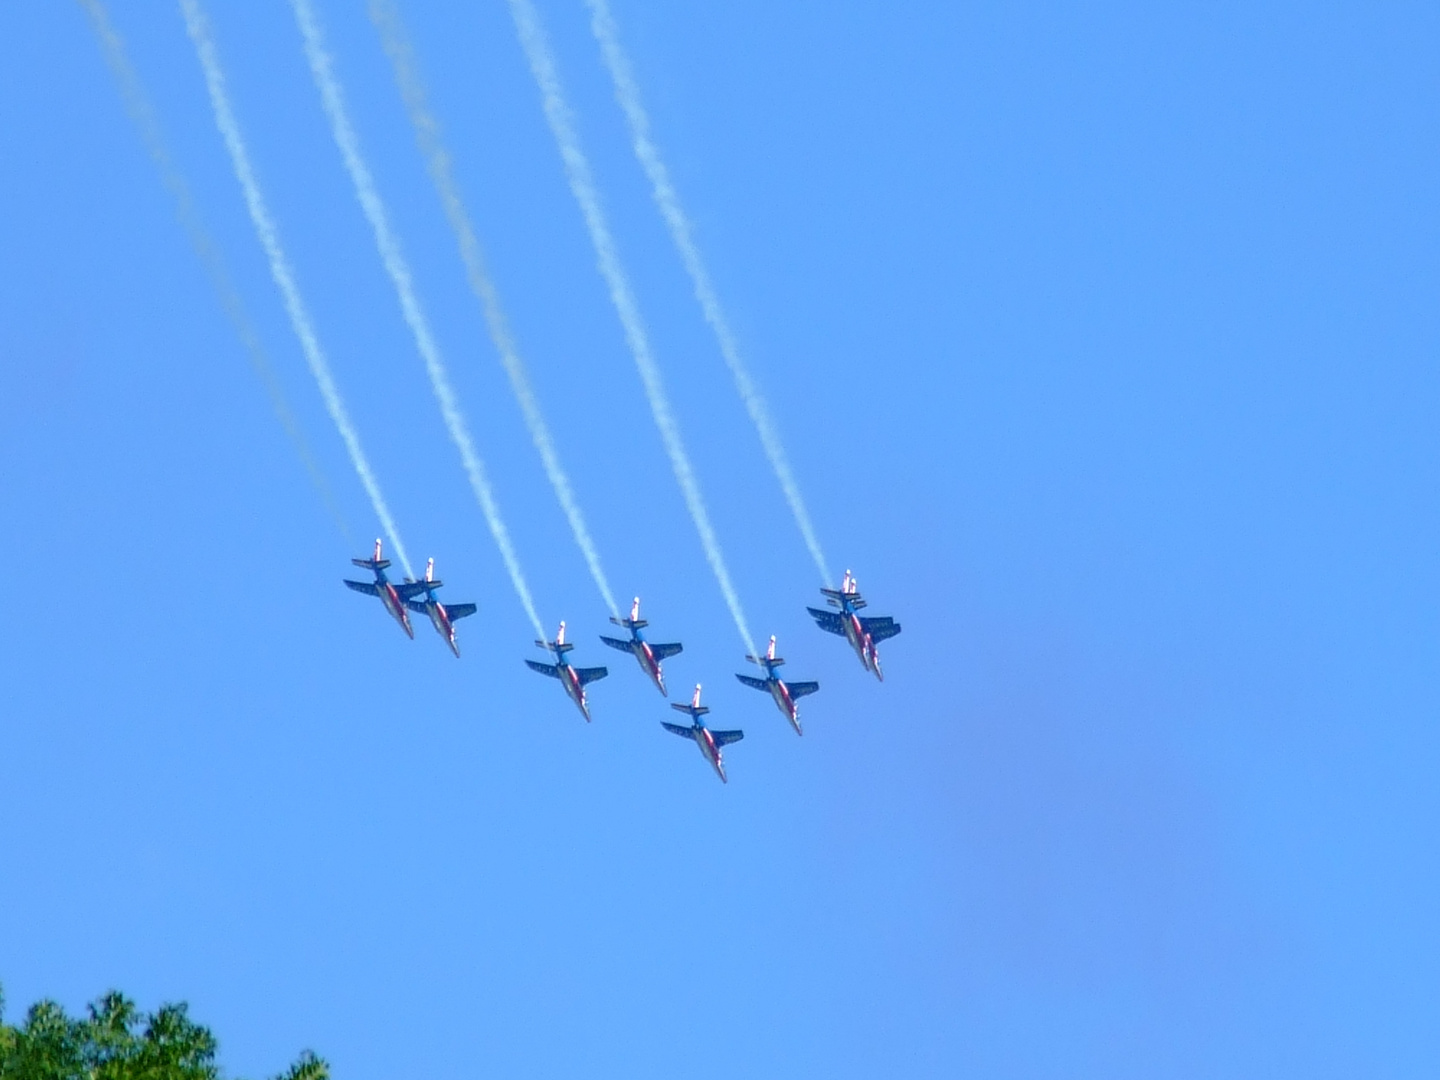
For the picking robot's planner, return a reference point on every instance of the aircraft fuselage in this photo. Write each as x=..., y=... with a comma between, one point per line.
x=859, y=639
x=393, y=604
x=440, y=618
x=574, y=688
x=710, y=752
x=781, y=693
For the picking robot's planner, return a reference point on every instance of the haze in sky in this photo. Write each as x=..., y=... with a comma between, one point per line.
x=1102, y=345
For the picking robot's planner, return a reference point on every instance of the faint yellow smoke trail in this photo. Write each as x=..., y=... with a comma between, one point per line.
x=399, y=271
x=142, y=112
x=627, y=92
x=280, y=270
x=582, y=185
x=437, y=158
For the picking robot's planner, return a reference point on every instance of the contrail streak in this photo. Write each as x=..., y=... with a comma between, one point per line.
x=142, y=113
x=582, y=185
x=427, y=133
x=199, y=28
x=627, y=92
x=399, y=271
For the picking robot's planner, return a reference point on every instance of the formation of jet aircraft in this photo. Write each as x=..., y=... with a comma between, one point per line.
x=864, y=634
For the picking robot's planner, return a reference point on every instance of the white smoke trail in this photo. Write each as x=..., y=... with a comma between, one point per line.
x=142, y=113
x=399, y=271
x=582, y=185
x=627, y=92
x=427, y=133
x=199, y=28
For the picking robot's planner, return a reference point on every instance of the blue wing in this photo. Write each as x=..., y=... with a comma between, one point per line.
x=459, y=611
x=616, y=643
x=828, y=621
x=544, y=669
x=417, y=606
x=363, y=586
x=725, y=738
x=800, y=689
x=413, y=588
x=590, y=674
x=750, y=680
x=676, y=729
x=664, y=652
x=880, y=628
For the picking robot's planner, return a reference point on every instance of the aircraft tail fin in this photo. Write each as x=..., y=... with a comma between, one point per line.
x=375, y=563
x=634, y=622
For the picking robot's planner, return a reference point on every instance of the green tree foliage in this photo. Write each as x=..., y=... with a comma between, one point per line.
x=115, y=1041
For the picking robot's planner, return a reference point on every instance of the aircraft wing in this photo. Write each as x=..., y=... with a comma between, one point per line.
x=725, y=738
x=408, y=589
x=800, y=689
x=664, y=652
x=880, y=628
x=459, y=611
x=363, y=586
x=676, y=729
x=616, y=643
x=544, y=669
x=590, y=674
x=417, y=606
x=828, y=621
x=750, y=680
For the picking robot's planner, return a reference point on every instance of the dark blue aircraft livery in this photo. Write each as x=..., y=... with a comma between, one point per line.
x=572, y=678
x=443, y=616
x=864, y=634
x=786, y=695
x=391, y=595
x=649, y=655
x=709, y=742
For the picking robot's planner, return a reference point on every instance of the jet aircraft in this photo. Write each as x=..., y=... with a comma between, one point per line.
x=572, y=678
x=391, y=595
x=786, y=695
x=710, y=742
x=444, y=616
x=647, y=654
x=864, y=634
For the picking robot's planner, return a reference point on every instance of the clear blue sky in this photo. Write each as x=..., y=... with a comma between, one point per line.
x=1105, y=345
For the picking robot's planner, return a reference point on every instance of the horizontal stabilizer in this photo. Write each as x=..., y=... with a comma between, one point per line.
x=691, y=710
x=459, y=611
x=630, y=624
x=725, y=738
x=827, y=621
x=800, y=689
x=372, y=564
x=561, y=649
x=363, y=586
x=664, y=652
x=590, y=674
x=676, y=729
x=616, y=643
x=750, y=680
x=880, y=628
x=544, y=669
